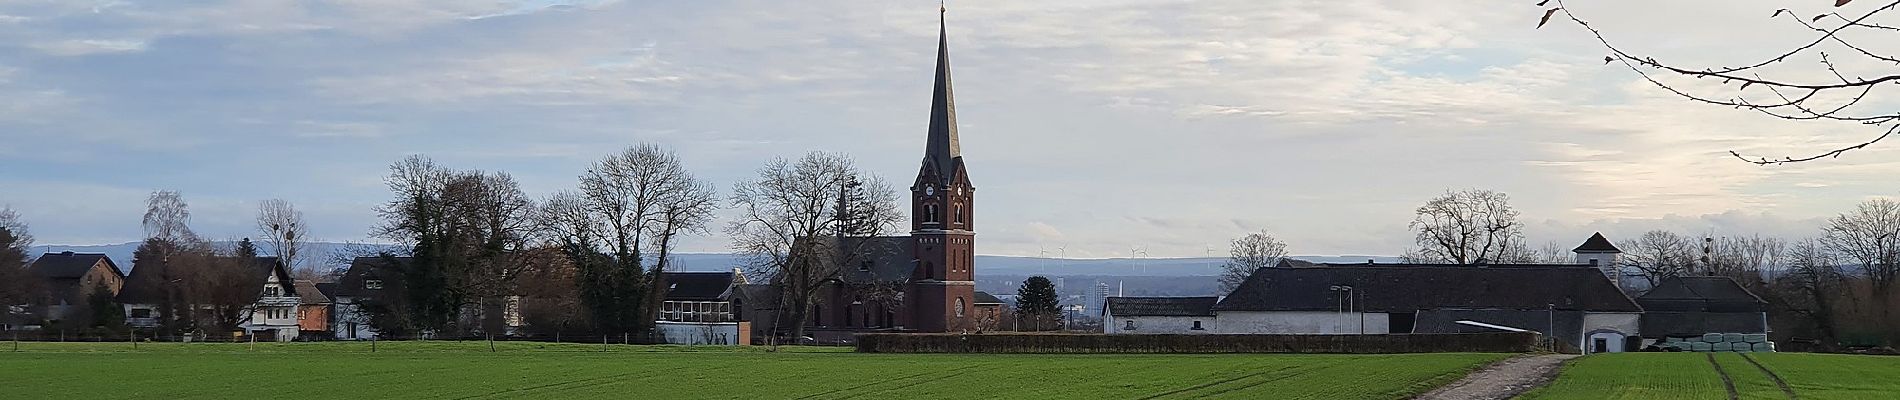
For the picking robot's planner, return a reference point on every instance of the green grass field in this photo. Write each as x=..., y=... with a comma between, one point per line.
x=1690, y=376
x=569, y=371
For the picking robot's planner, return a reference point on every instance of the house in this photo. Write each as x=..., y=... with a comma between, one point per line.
x=1153, y=315
x=273, y=311
x=70, y=280
x=989, y=311
x=1571, y=302
x=313, y=313
x=270, y=310
x=367, y=279
x=699, y=308
x=1690, y=306
x=699, y=296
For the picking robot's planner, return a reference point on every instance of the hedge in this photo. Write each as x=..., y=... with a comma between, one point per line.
x=1503, y=342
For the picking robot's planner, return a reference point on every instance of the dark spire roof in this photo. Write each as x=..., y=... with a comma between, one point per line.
x=1597, y=244
x=943, y=149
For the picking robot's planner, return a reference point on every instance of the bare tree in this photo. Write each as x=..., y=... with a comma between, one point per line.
x=630, y=205
x=1248, y=253
x=797, y=217
x=1468, y=227
x=1869, y=237
x=167, y=218
x=282, y=226
x=1847, y=71
x=16, y=285
x=1659, y=254
x=1553, y=253
x=1746, y=258
x=1815, y=274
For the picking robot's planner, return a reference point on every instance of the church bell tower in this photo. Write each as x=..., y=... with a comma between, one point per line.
x=943, y=208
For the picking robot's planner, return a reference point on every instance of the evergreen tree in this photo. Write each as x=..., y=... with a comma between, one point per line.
x=246, y=250
x=1037, y=300
x=106, y=313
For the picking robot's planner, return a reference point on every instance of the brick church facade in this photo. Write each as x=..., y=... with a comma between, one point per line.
x=923, y=282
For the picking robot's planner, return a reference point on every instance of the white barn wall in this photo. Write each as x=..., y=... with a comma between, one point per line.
x=1597, y=325
x=1302, y=322
x=1158, y=324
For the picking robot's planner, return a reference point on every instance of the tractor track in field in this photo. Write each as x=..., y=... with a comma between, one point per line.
x=941, y=376
x=1211, y=384
x=1503, y=379
x=549, y=385
x=1727, y=383
x=1785, y=389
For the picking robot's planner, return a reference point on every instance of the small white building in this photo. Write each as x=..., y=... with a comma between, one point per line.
x=1159, y=315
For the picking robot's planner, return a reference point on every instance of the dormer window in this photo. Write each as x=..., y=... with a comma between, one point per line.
x=373, y=284
x=864, y=266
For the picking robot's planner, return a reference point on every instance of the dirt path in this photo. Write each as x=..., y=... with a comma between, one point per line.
x=1502, y=380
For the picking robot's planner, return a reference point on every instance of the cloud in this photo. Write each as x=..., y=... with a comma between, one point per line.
x=1094, y=126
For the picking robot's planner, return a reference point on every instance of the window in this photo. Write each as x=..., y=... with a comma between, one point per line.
x=141, y=313
x=270, y=291
x=959, y=307
x=373, y=284
x=1197, y=326
x=1130, y=326
x=930, y=213
x=1593, y=262
x=864, y=266
x=959, y=213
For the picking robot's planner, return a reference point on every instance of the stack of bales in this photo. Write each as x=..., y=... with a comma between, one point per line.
x=1722, y=342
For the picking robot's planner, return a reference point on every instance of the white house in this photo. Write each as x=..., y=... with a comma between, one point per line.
x=1152, y=315
x=272, y=313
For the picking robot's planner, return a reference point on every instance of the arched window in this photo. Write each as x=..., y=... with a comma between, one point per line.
x=959, y=307
x=959, y=213
x=930, y=213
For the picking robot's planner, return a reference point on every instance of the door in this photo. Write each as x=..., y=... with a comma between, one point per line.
x=1599, y=345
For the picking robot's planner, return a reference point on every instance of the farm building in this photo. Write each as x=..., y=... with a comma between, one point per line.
x=1692, y=306
x=69, y=279
x=1576, y=301
x=1152, y=315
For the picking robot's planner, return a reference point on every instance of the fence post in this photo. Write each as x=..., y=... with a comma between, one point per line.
x=372, y=344
x=134, y=337
x=491, y=342
x=16, y=341
x=603, y=343
x=253, y=337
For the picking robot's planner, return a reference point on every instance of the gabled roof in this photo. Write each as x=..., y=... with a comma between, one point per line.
x=1597, y=244
x=879, y=259
x=70, y=265
x=147, y=283
x=389, y=272
x=1162, y=306
x=1413, y=287
x=308, y=292
x=1701, y=293
x=697, y=286
x=983, y=298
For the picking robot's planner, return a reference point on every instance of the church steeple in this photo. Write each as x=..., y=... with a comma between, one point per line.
x=942, y=150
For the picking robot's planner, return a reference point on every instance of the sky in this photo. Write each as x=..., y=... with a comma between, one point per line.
x=1099, y=128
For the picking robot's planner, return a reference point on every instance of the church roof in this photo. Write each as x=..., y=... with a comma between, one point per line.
x=942, y=150
x=1597, y=244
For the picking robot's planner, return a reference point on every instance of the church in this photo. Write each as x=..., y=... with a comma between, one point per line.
x=923, y=282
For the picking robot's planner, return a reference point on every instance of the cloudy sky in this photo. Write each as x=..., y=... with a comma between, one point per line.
x=1097, y=127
